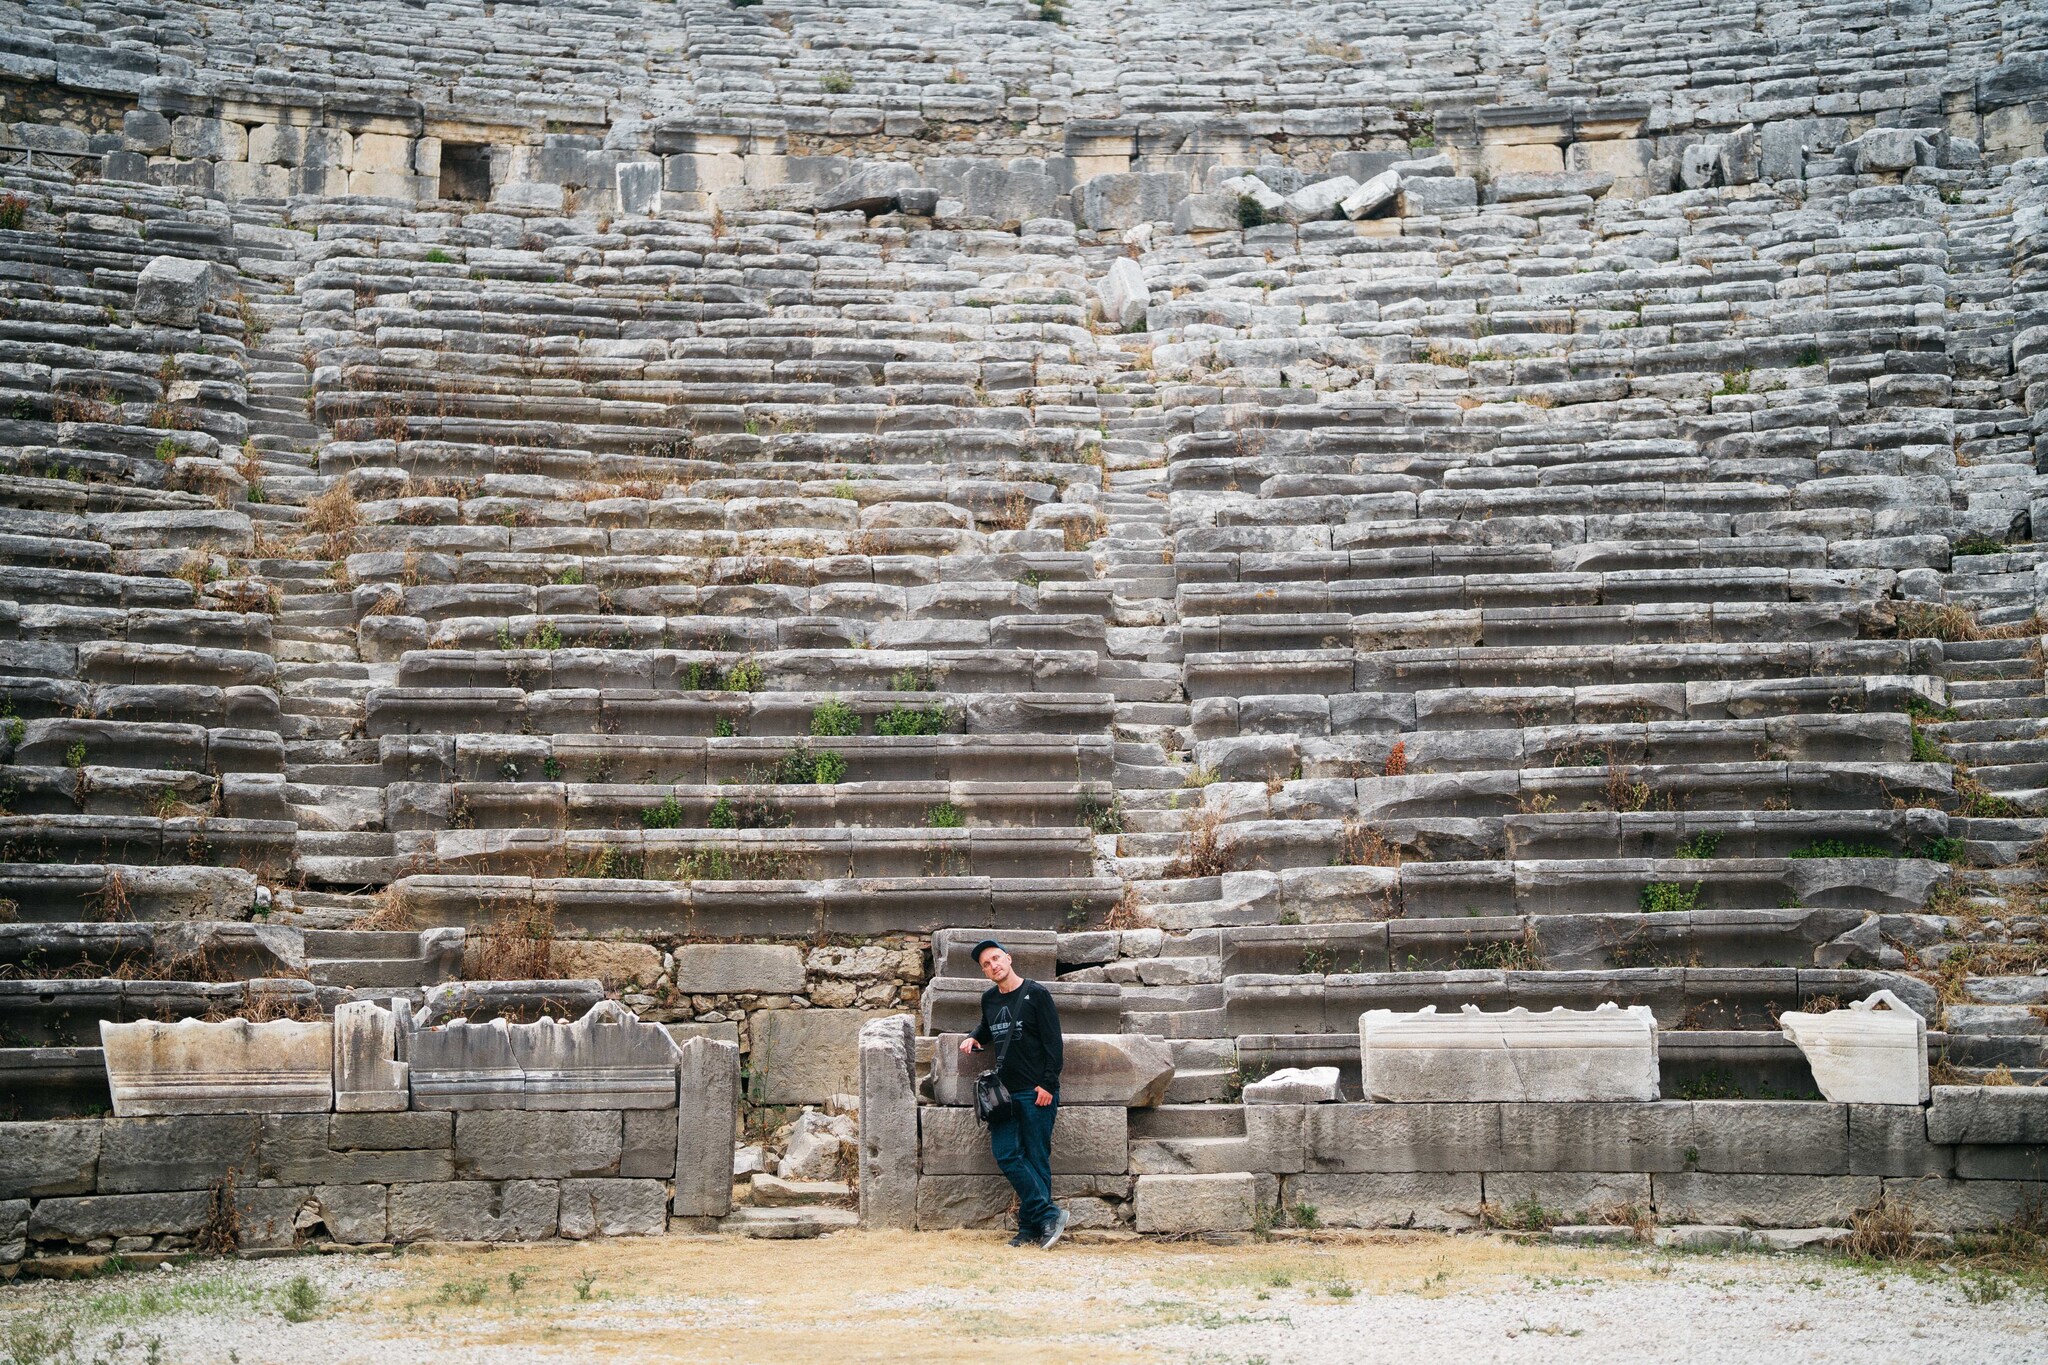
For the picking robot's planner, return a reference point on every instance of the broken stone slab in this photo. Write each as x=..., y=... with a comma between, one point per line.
x=368, y=1077
x=708, y=1076
x=1373, y=196
x=172, y=291
x=888, y=1123
x=230, y=1067
x=476, y=1001
x=1863, y=1054
x=874, y=187
x=1128, y=1069
x=1294, y=1085
x=461, y=1065
x=1437, y=194
x=1258, y=191
x=1312, y=203
x=1607, y=1053
x=806, y=1056
x=1123, y=294
x=607, y=1059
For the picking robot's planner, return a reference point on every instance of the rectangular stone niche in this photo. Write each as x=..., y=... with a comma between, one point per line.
x=466, y=172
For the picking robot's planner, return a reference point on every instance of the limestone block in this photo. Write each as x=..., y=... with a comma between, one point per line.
x=368, y=1077
x=1438, y=194
x=501, y=1144
x=650, y=1144
x=1115, y=202
x=1596, y=1137
x=58, y=1157
x=872, y=188
x=1770, y=1137
x=173, y=291
x=613, y=1208
x=1603, y=1054
x=806, y=1056
x=888, y=1123
x=1401, y=1199
x=1572, y=1195
x=118, y=1215
x=1213, y=212
x=1864, y=1055
x=475, y=1211
x=281, y=1217
x=1012, y=196
x=382, y=154
x=298, y=1149
x=388, y=184
x=708, y=1107
x=1890, y=149
x=621, y=966
x=1988, y=1114
x=1781, y=1201
x=1371, y=1138
x=145, y=131
x=966, y=1201
x=518, y=194
x=1294, y=1085
x=1123, y=294
x=230, y=1067
x=738, y=969
x=208, y=139
x=13, y=1230
x=461, y=1065
x=607, y=1059
x=272, y=144
x=1961, y=1205
x=1374, y=196
x=1197, y=1203
x=1524, y=158
x=1132, y=1070
x=1084, y=1142
x=639, y=188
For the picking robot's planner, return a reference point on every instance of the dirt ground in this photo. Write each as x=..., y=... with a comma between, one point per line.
x=942, y=1297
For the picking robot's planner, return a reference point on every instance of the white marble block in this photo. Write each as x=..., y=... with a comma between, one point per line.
x=1294, y=1085
x=1863, y=1054
x=607, y=1059
x=368, y=1077
x=230, y=1067
x=461, y=1065
x=1604, y=1054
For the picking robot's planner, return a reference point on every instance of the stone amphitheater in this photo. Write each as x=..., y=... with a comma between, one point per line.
x=682, y=515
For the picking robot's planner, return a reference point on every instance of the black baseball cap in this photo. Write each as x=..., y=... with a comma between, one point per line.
x=983, y=947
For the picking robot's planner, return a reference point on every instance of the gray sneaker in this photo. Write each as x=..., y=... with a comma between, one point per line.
x=1056, y=1229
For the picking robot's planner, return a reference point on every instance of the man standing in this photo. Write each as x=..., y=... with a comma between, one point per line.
x=1020, y=1021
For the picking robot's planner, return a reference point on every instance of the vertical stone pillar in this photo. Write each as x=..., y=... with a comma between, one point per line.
x=709, y=1107
x=888, y=1123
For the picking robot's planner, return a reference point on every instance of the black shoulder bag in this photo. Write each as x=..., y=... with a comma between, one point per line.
x=992, y=1099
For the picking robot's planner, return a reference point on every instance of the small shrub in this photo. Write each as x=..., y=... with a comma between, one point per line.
x=1305, y=1216
x=836, y=82
x=1809, y=357
x=945, y=815
x=1250, y=213
x=1701, y=845
x=1659, y=898
x=168, y=450
x=835, y=719
x=1841, y=848
x=1397, y=760
x=13, y=212
x=585, y=1283
x=571, y=577
x=74, y=757
x=909, y=680
x=437, y=256
x=1925, y=750
x=1733, y=382
x=1977, y=543
x=831, y=768
x=301, y=1299
x=667, y=815
x=902, y=720
x=1102, y=819
x=722, y=814
x=723, y=728
x=744, y=676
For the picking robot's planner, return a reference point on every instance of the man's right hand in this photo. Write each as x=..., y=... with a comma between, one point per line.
x=969, y=1045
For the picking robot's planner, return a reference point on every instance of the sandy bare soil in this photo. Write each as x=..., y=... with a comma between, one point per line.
x=941, y=1297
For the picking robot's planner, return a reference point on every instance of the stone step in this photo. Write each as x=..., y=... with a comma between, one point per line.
x=787, y=1224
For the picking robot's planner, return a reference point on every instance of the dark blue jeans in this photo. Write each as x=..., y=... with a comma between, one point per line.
x=1022, y=1144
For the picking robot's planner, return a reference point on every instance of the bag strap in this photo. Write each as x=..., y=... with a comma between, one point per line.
x=1003, y=1048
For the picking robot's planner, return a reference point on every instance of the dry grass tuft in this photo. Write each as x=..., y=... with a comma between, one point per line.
x=335, y=515
x=1363, y=845
x=519, y=945
x=1202, y=855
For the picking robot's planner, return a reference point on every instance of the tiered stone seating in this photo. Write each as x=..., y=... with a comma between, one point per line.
x=1600, y=570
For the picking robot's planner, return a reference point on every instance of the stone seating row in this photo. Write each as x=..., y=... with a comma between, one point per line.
x=887, y=808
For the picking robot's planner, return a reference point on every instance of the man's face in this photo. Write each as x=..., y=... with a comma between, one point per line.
x=995, y=964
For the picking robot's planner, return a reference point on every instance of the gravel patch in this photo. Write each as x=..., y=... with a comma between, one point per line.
x=936, y=1297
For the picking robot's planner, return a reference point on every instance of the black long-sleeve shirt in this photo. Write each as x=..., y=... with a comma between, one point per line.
x=1031, y=1022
